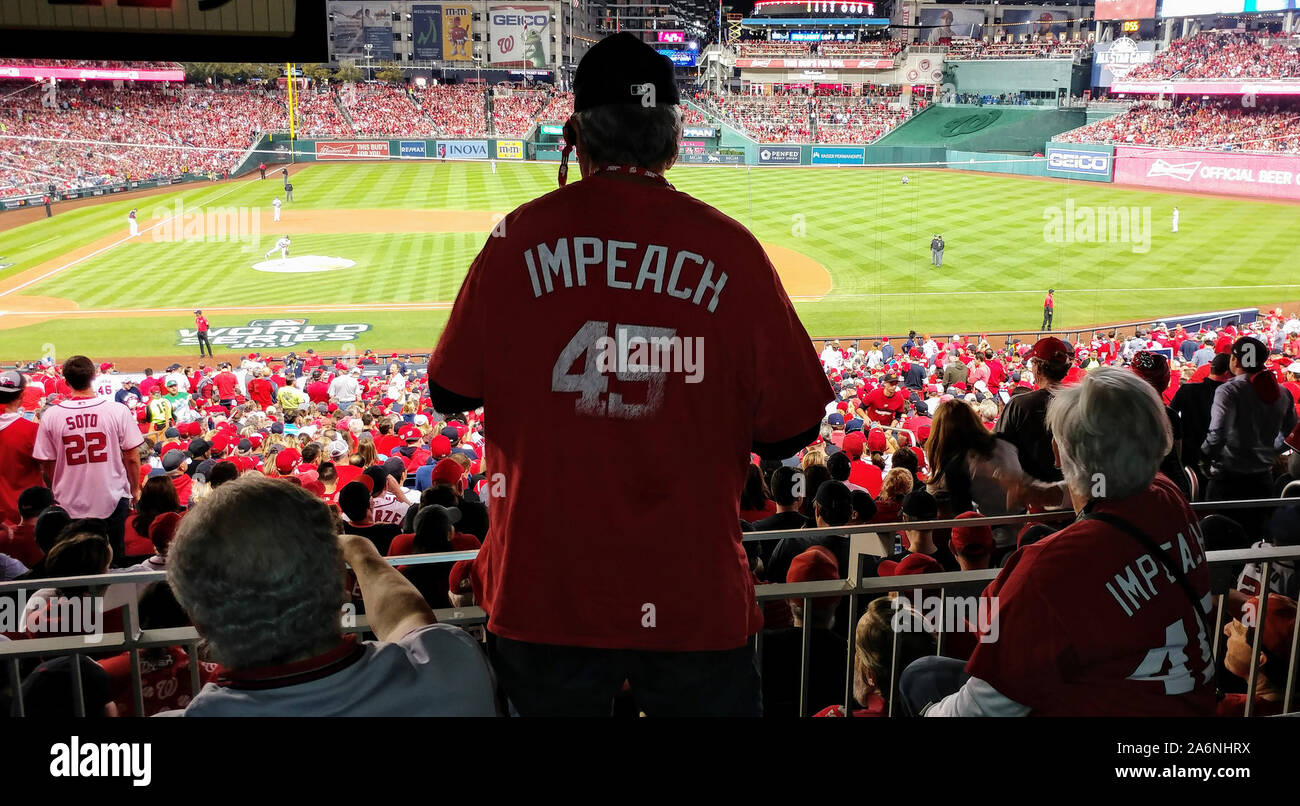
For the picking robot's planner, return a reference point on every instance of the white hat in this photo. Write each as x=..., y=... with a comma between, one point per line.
x=1294, y=367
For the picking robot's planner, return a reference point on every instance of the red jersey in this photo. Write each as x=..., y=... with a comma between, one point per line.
x=318, y=392
x=1091, y=625
x=227, y=385
x=260, y=391
x=18, y=467
x=19, y=542
x=201, y=324
x=688, y=275
x=165, y=680
x=866, y=475
x=884, y=410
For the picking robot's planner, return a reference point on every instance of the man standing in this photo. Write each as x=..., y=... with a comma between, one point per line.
x=87, y=449
x=201, y=329
x=131, y=222
x=1175, y=219
x=261, y=168
x=288, y=191
x=680, y=631
x=345, y=388
x=936, y=250
x=1049, y=308
x=1249, y=423
x=275, y=209
x=1194, y=403
x=1024, y=420
x=18, y=467
x=227, y=386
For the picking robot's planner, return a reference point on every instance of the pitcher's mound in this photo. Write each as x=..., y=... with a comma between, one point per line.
x=304, y=264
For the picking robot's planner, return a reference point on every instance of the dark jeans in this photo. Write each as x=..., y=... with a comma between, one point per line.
x=203, y=339
x=1047, y=319
x=926, y=681
x=116, y=524
x=1228, y=486
x=549, y=680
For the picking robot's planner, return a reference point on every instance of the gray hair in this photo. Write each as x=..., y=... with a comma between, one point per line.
x=623, y=134
x=257, y=566
x=1111, y=432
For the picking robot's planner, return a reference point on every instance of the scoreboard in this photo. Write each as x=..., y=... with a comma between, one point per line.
x=782, y=8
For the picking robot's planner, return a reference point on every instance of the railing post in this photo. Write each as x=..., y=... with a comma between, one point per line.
x=78, y=689
x=1291, y=673
x=1251, y=681
x=805, y=657
x=133, y=659
x=15, y=683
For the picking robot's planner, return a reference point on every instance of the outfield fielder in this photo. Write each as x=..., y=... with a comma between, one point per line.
x=275, y=209
x=283, y=246
x=135, y=227
x=1175, y=219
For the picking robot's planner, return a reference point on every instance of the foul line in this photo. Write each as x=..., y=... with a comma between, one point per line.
x=123, y=240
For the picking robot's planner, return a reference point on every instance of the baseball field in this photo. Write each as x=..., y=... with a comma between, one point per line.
x=378, y=251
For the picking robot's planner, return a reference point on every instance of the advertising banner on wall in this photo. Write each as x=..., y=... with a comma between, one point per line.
x=1264, y=176
x=521, y=35
x=778, y=155
x=462, y=149
x=951, y=22
x=377, y=24
x=352, y=150
x=1035, y=22
x=346, y=28
x=1112, y=61
x=1070, y=161
x=426, y=32
x=838, y=155
x=457, y=32
x=510, y=149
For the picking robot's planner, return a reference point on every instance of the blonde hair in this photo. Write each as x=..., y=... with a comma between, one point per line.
x=814, y=456
x=896, y=484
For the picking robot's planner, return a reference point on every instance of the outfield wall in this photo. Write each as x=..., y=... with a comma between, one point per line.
x=1268, y=176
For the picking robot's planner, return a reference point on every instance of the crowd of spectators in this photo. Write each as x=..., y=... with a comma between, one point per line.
x=1044, y=47
x=828, y=50
x=316, y=114
x=1211, y=124
x=921, y=428
x=1223, y=55
x=457, y=110
x=796, y=117
x=376, y=109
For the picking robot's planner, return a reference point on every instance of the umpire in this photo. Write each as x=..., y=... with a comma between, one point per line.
x=936, y=250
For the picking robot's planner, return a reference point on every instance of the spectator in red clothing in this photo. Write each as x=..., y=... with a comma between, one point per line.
x=19, y=540
x=164, y=671
x=318, y=389
x=261, y=389
x=972, y=545
x=18, y=467
x=885, y=404
x=863, y=474
x=227, y=386
x=157, y=496
x=755, y=501
x=1274, y=656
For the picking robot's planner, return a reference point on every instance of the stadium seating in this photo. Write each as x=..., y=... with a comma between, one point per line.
x=376, y=109
x=1209, y=124
x=1224, y=56
x=967, y=49
x=787, y=118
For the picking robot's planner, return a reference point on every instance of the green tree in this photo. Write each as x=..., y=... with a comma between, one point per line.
x=348, y=71
x=390, y=72
x=318, y=73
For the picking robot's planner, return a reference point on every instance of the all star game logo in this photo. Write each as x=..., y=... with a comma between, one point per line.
x=273, y=333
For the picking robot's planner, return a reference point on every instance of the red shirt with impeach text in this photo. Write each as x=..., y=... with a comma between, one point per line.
x=1090, y=624
x=616, y=530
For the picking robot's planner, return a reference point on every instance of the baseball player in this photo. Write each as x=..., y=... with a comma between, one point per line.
x=135, y=227
x=1175, y=219
x=275, y=209
x=283, y=246
x=905, y=180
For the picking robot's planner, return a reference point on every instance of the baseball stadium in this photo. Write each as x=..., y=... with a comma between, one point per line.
x=1027, y=262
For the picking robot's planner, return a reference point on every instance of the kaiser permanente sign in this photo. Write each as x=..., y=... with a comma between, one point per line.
x=1258, y=175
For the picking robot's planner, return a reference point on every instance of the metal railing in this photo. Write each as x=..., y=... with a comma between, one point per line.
x=857, y=587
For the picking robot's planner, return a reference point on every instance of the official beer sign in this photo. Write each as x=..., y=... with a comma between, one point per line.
x=273, y=333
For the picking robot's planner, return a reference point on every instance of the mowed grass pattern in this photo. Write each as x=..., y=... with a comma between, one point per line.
x=870, y=231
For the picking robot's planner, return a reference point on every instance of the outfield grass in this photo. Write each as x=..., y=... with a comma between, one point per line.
x=871, y=233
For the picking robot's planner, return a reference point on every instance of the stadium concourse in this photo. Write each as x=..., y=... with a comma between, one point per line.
x=921, y=429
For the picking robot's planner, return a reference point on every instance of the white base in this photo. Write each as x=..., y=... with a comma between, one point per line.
x=303, y=264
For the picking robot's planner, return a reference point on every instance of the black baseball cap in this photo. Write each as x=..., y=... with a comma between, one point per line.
x=12, y=381
x=615, y=71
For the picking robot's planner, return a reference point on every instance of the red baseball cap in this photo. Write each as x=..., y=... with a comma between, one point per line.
x=1052, y=349
x=106, y=366
x=408, y=432
x=440, y=446
x=287, y=459
x=876, y=441
x=911, y=564
x=448, y=471
x=853, y=444
x=975, y=540
x=816, y=564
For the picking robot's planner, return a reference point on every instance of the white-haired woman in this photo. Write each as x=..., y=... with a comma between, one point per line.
x=1106, y=617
